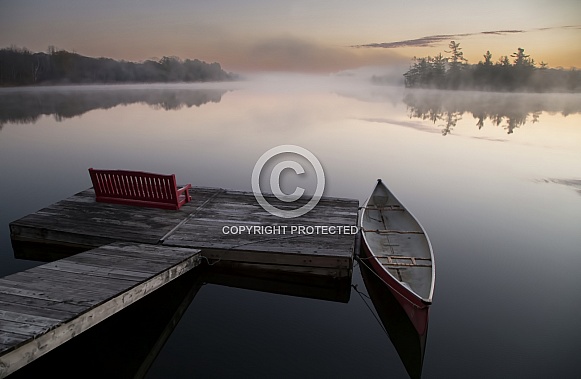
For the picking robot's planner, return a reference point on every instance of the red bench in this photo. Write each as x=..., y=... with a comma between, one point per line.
x=138, y=188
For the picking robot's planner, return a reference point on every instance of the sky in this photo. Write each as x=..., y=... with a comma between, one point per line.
x=299, y=36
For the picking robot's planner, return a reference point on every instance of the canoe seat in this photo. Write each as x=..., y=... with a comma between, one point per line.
x=388, y=260
x=386, y=208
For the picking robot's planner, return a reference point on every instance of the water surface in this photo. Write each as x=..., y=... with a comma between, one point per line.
x=493, y=178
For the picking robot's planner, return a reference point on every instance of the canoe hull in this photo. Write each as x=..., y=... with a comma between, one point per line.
x=415, y=308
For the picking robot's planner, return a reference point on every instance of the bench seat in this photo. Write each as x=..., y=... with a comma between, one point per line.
x=138, y=188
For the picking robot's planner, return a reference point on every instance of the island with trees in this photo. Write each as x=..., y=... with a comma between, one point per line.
x=519, y=72
x=19, y=66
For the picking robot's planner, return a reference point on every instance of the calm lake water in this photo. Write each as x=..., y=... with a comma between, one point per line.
x=495, y=179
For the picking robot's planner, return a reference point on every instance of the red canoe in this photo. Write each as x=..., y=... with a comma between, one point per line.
x=397, y=249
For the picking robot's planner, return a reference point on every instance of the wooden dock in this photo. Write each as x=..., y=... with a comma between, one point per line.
x=45, y=306
x=133, y=251
x=80, y=221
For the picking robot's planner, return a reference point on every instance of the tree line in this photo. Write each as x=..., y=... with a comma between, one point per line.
x=519, y=72
x=19, y=66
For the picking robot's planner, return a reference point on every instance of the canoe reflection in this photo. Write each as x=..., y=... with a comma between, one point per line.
x=409, y=344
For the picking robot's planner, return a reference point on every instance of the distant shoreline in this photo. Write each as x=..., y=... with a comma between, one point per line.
x=20, y=67
x=80, y=84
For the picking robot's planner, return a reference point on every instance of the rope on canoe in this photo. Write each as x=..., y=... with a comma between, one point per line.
x=362, y=295
x=208, y=261
x=361, y=261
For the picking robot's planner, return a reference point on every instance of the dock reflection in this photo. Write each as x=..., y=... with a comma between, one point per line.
x=299, y=285
x=127, y=343
x=408, y=343
x=124, y=345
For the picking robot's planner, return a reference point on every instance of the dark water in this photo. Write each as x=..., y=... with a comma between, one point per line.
x=494, y=180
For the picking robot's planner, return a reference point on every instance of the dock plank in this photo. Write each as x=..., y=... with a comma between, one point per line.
x=43, y=307
x=58, y=315
x=76, y=267
x=94, y=280
x=8, y=339
x=125, y=263
x=21, y=328
x=67, y=279
x=54, y=293
x=26, y=318
x=67, y=291
x=40, y=303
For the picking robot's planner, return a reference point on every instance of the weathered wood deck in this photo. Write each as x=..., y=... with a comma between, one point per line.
x=81, y=221
x=45, y=306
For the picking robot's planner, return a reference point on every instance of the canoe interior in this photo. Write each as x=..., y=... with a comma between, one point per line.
x=398, y=242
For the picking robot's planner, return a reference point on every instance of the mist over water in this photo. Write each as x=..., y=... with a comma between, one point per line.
x=509, y=110
x=493, y=178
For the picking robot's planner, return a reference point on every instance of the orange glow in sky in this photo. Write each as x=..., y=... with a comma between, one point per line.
x=304, y=36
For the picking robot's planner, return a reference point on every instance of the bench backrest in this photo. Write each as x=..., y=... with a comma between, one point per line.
x=134, y=185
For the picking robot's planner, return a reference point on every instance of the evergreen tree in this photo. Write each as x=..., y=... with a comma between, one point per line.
x=439, y=70
x=488, y=58
x=456, y=56
x=456, y=61
x=520, y=58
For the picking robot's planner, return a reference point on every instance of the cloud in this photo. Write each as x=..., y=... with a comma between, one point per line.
x=500, y=32
x=431, y=41
x=561, y=27
x=428, y=41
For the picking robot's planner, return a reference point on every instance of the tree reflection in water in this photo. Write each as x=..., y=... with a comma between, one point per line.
x=507, y=110
x=26, y=106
